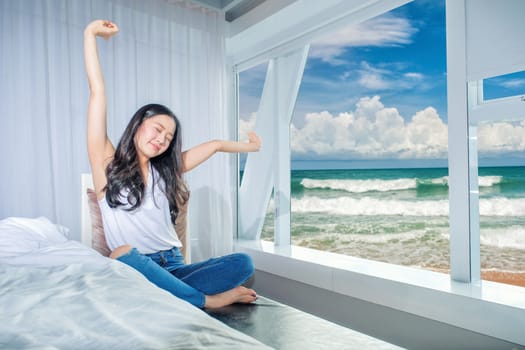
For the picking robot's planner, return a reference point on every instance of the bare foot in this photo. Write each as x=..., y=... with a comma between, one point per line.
x=236, y=295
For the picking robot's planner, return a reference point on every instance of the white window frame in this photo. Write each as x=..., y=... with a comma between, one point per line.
x=461, y=298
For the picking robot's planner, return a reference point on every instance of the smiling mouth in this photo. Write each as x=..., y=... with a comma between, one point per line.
x=155, y=147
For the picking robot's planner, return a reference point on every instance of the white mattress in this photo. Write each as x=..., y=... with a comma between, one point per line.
x=59, y=294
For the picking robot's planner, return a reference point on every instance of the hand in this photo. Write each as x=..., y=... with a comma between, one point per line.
x=102, y=28
x=254, y=142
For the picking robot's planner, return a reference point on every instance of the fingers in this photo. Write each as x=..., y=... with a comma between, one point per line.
x=103, y=28
x=255, y=139
x=108, y=24
x=108, y=29
x=252, y=136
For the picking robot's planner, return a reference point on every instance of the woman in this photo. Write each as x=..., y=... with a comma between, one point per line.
x=139, y=187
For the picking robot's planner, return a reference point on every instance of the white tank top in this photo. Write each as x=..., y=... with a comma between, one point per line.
x=147, y=228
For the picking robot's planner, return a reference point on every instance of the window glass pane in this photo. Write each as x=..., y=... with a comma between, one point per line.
x=251, y=83
x=504, y=86
x=369, y=141
x=268, y=230
x=501, y=154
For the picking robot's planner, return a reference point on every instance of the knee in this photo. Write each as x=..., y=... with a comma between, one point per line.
x=245, y=263
x=118, y=252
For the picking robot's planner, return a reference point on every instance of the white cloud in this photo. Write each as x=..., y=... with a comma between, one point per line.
x=501, y=137
x=371, y=131
x=414, y=75
x=513, y=84
x=245, y=126
x=373, y=81
x=380, y=31
x=374, y=78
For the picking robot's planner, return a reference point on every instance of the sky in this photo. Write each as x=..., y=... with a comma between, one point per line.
x=375, y=94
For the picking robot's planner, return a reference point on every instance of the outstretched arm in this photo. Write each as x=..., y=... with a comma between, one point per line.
x=198, y=154
x=100, y=149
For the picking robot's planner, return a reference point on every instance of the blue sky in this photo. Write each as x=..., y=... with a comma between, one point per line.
x=401, y=58
x=376, y=92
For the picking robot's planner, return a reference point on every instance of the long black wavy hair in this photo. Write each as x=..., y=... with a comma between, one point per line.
x=123, y=172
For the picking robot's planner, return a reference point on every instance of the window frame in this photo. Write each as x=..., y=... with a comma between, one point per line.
x=461, y=298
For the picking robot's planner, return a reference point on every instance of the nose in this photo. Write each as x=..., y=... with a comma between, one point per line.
x=161, y=140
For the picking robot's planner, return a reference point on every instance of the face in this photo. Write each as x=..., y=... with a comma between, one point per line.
x=154, y=135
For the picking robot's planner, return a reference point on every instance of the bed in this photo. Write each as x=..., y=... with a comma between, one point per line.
x=57, y=293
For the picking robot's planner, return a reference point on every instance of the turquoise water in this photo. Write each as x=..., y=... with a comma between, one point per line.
x=401, y=215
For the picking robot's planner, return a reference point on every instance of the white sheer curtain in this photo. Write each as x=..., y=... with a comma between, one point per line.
x=167, y=52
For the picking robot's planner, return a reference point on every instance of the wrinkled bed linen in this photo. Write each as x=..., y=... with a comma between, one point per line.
x=67, y=296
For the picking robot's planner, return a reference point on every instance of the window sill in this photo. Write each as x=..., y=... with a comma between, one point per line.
x=486, y=307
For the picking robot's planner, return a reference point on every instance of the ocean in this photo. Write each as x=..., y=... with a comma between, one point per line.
x=400, y=216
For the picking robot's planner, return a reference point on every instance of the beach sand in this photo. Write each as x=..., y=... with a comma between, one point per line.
x=334, y=244
x=514, y=278
x=507, y=277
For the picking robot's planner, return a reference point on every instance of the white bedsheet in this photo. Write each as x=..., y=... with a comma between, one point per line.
x=60, y=294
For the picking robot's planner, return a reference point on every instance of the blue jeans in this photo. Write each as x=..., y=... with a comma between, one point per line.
x=191, y=282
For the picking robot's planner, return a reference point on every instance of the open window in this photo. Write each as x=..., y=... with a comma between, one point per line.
x=368, y=143
x=441, y=205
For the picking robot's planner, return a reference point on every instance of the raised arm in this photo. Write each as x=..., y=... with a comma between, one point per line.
x=198, y=154
x=100, y=149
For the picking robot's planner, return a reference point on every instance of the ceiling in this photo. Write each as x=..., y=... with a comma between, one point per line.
x=233, y=9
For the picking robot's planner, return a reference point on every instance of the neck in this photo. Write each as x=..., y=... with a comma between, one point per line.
x=144, y=170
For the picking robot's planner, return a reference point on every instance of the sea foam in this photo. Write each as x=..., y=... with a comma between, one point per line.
x=375, y=206
x=488, y=181
x=361, y=186
x=508, y=237
x=370, y=206
x=381, y=185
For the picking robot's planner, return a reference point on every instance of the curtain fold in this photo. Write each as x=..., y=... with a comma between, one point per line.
x=166, y=52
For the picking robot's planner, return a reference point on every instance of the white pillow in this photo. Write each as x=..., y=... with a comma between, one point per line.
x=23, y=235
